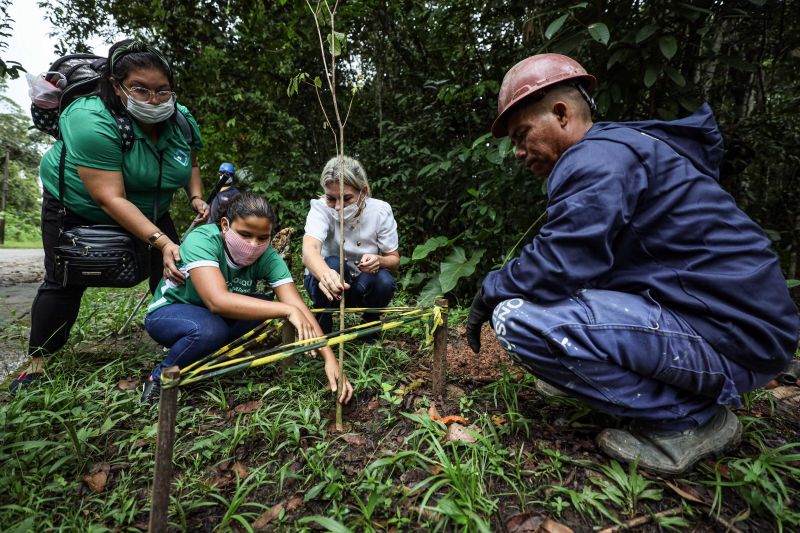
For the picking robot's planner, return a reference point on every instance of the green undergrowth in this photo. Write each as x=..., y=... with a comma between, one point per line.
x=258, y=449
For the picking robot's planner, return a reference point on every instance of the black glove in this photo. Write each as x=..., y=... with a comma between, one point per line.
x=479, y=313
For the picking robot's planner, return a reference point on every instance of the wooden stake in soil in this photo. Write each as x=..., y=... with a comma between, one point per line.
x=439, y=367
x=162, y=476
x=288, y=336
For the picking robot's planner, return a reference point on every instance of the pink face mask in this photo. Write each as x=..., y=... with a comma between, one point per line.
x=242, y=252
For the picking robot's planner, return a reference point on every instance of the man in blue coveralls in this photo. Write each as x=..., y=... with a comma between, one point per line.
x=647, y=294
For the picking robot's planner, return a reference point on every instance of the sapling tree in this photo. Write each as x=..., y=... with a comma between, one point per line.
x=331, y=47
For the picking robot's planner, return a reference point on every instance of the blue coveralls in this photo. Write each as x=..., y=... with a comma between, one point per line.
x=648, y=293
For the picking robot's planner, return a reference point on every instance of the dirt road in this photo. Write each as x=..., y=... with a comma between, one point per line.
x=21, y=272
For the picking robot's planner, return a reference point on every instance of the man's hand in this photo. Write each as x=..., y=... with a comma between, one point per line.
x=479, y=313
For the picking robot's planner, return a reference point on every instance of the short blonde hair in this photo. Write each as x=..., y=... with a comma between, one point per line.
x=354, y=174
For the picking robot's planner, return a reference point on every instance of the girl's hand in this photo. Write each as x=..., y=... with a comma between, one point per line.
x=305, y=329
x=332, y=371
x=171, y=255
x=370, y=263
x=201, y=208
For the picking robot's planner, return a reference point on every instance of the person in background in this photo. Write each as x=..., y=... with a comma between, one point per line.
x=106, y=185
x=370, y=243
x=217, y=303
x=227, y=192
x=648, y=294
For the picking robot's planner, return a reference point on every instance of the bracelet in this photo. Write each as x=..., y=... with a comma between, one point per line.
x=193, y=197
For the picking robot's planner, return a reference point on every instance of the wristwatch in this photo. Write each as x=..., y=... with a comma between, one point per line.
x=154, y=237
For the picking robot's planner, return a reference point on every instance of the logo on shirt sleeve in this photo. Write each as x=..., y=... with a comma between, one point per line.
x=181, y=157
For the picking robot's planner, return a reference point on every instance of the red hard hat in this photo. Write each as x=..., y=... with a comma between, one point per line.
x=534, y=74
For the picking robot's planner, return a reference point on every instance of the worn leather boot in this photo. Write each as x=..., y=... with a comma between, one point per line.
x=672, y=452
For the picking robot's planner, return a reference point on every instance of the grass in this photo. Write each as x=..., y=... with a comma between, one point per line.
x=258, y=448
x=31, y=244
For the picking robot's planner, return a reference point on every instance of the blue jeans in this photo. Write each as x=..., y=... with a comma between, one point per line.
x=623, y=354
x=366, y=290
x=191, y=332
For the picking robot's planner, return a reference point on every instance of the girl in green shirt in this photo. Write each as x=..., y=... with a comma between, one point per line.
x=217, y=303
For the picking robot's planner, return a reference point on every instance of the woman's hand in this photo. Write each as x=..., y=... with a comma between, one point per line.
x=171, y=255
x=201, y=208
x=370, y=263
x=332, y=371
x=331, y=285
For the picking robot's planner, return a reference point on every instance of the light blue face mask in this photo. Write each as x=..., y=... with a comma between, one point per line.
x=150, y=113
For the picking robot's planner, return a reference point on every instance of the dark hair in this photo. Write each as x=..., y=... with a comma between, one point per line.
x=123, y=57
x=247, y=204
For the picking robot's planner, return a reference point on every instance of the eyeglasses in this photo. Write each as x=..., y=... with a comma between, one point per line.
x=141, y=94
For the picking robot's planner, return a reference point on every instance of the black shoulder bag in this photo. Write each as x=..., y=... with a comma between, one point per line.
x=102, y=255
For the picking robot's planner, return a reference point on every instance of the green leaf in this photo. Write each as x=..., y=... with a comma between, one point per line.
x=329, y=524
x=424, y=250
x=668, y=46
x=554, y=26
x=645, y=33
x=337, y=43
x=650, y=75
x=618, y=54
x=675, y=75
x=456, y=266
x=430, y=292
x=504, y=148
x=599, y=32
x=482, y=139
x=792, y=283
x=314, y=491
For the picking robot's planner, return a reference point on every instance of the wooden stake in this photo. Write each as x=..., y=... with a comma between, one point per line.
x=439, y=366
x=162, y=475
x=288, y=336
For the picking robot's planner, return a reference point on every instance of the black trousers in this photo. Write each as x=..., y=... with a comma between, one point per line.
x=55, y=308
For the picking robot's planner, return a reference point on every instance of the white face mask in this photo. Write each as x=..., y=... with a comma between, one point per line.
x=150, y=113
x=351, y=211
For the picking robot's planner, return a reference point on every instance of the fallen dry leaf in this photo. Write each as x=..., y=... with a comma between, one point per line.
x=267, y=516
x=98, y=477
x=241, y=470
x=446, y=420
x=294, y=503
x=433, y=412
x=498, y=420
x=458, y=433
x=687, y=493
x=248, y=407
x=532, y=522
x=127, y=384
x=355, y=440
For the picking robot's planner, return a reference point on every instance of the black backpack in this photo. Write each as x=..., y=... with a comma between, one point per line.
x=82, y=72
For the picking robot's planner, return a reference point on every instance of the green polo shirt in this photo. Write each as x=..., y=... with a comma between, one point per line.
x=93, y=140
x=203, y=247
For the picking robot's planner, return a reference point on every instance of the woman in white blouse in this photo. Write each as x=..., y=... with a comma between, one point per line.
x=370, y=243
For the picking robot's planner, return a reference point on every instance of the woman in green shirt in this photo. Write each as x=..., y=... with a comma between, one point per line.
x=217, y=302
x=105, y=184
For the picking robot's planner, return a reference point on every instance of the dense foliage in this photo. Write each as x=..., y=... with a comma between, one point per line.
x=21, y=191
x=424, y=79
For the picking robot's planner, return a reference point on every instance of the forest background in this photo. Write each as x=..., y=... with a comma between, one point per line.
x=424, y=78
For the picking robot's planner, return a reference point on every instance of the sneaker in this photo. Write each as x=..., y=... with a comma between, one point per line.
x=547, y=390
x=672, y=452
x=24, y=380
x=151, y=392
